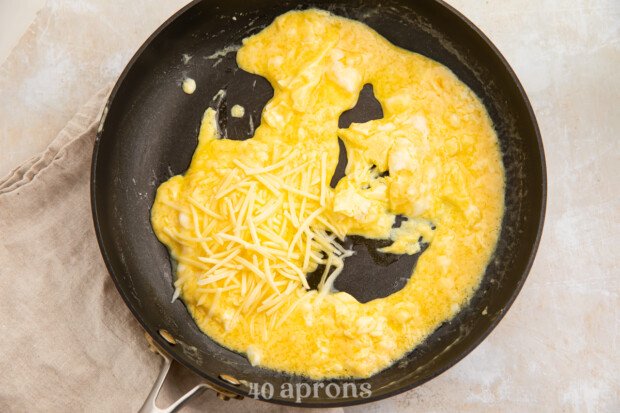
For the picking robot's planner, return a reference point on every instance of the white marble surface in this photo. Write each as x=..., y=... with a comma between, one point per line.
x=557, y=348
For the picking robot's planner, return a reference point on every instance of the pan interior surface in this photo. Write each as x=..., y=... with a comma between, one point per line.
x=150, y=131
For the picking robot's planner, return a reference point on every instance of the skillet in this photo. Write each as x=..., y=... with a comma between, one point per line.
x=149, y=131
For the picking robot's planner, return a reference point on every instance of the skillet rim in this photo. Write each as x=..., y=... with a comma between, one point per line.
x=333, y=402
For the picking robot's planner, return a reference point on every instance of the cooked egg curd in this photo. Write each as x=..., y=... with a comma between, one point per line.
x=249, y=219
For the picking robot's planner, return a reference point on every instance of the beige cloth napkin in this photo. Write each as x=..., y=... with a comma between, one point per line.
x=68, y=341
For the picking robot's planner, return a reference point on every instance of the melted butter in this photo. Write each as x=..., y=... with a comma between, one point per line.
x=438, y=144
x=189, y=86
x=237, y=111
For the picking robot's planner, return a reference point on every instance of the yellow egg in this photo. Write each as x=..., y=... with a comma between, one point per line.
x=250, y=218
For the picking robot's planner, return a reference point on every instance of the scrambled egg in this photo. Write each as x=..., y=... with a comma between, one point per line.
x=249, y=219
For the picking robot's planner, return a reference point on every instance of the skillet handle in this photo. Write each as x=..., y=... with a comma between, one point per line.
x=150, y=405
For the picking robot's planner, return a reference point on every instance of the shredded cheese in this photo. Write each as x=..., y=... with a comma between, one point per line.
x=238, y=237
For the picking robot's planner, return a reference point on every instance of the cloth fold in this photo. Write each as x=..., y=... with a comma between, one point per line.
x=81, y=124
x=69, y=343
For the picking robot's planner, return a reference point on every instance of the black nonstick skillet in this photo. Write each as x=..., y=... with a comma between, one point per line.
x=149, y=132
